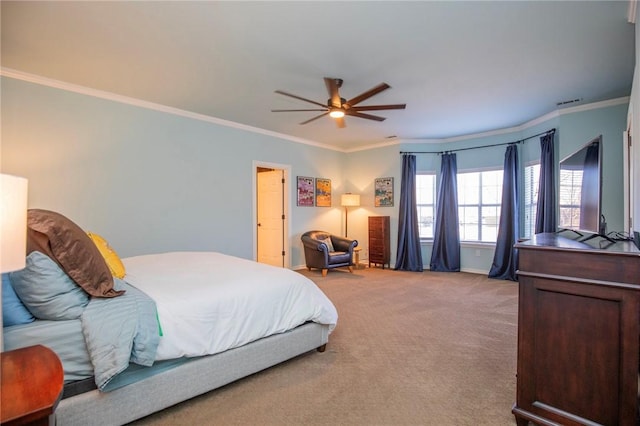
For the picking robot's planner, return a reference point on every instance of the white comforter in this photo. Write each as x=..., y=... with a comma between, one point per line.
x=210, y=302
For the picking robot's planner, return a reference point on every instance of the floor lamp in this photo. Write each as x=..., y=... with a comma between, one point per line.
x=348, y=200
x=13, y=226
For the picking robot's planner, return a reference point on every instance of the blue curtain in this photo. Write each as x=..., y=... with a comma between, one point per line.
x=445, y=256
x=409, y=256
x=546, y=209
x=505, y=258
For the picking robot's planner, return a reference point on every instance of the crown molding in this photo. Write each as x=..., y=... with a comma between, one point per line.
x=83, y=90
x=49, y=82
x=536, y=121
x=383, y=144
x=595, y=105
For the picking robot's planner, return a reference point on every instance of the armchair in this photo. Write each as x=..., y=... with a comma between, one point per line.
x=332, y=253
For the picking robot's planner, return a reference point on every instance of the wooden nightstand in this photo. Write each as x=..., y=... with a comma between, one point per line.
x=31, y=385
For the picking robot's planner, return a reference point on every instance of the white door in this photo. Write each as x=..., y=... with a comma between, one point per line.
x=271, y=217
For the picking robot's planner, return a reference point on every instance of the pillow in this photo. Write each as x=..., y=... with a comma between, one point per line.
x=13, y=310
x=47, y=291
x=67, y=244
x=110, y=256
x=328, y=243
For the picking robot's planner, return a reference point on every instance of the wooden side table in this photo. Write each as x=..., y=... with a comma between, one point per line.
x=356, y=254
x=31, y=385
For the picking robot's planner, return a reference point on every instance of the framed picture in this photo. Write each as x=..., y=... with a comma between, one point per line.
x=323, y=192
x=306, y=191
x=384, y=192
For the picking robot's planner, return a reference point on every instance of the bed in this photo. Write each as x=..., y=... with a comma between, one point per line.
x=171, y=326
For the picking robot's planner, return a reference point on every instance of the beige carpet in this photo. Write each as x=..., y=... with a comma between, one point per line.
x=409, y=349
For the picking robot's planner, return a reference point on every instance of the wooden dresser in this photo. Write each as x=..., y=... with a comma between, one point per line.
x=578, y=328
x=379, y=245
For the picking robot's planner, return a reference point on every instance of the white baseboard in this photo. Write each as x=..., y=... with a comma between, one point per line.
x=474, y=271
x=364, y=264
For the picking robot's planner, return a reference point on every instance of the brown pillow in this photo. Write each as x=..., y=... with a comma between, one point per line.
x=71, y=248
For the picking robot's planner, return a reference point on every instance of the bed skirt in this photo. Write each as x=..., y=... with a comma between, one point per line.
x=188, y=380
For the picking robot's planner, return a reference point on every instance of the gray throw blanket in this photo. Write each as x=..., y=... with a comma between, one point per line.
x=120, y=330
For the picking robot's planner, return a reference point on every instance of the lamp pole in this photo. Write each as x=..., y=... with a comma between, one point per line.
x=348, y=200
x=346, y=221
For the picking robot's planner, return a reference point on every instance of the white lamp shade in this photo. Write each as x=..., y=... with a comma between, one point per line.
x=13, y=222
x=350, y=200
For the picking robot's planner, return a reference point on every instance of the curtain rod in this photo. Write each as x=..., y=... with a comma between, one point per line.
x=477, y=147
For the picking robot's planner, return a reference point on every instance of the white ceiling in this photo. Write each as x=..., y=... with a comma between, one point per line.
x=461, y=67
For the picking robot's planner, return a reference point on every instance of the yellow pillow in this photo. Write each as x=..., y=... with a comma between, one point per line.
x=110, y=256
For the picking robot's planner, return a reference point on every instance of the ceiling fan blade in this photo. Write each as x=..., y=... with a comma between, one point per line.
x=366, y=95
x=300, y=98
x=314, y=118
x=296, y=110
x=332, y=88
x=340, y=123
x=361, y=115
x=378, y=107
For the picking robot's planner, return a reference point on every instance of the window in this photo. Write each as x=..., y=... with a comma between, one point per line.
x=569, y=200
x=425, y=202
x=479, y=198
x=531, y=183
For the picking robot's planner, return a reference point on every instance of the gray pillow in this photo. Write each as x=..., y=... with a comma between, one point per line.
x=13, y=310
x=47, y=291
x=327, y=241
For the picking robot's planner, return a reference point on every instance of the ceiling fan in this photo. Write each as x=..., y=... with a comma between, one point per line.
x=337, y=107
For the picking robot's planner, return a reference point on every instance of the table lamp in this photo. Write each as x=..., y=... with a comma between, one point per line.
x=13, y=226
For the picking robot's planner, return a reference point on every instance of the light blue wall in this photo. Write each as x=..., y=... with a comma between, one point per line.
x=573, y=129
x=150, y=181
x=580, y=128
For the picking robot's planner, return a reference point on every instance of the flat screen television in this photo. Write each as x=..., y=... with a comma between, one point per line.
x=580, y=197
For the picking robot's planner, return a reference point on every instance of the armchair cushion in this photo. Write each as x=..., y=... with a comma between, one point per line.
x=327, y=241
x=340, y=257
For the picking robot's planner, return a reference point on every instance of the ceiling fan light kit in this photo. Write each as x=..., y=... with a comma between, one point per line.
x=337, y=107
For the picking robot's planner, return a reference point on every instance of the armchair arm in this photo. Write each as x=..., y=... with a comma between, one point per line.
x=314, y=244
x=316, y=253
x=343, y=244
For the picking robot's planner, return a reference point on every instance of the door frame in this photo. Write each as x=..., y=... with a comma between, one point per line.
x=287, y=207
x=629, y=166
x=627, y=182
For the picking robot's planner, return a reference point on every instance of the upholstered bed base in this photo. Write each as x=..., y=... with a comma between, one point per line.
x=188, y=380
